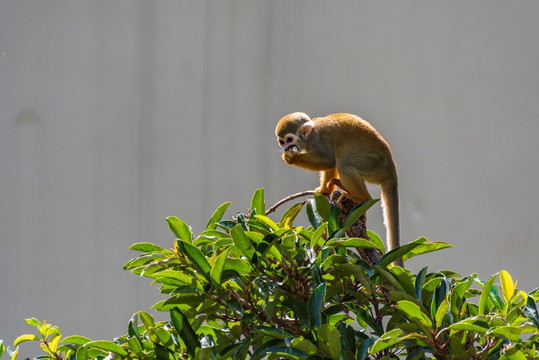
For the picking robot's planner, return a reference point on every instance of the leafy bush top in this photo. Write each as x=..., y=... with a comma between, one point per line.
x=253, y=288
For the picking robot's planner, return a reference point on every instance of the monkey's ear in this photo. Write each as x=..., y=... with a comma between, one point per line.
x=306, y=129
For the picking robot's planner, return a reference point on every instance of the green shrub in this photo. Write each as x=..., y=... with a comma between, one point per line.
x=253, y=288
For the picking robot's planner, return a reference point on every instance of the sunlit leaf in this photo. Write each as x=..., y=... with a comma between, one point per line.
x=399, y=252
x=508, y=287
x=414, y=313
x=24, y=338
x=425, y=248
x=485, y=295
x=317, y=235
x=217, y=216
x=352, y=242
x=107, y=346
x=288, y=217
x=218, y=267
x=511, y=333
x=389, y=339
x=196, y=258
x=268, y=222
x=149, y=248
x=441, y=312
x=257, y=202
x=180, y=229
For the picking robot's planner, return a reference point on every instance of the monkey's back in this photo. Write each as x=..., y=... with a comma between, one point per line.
x=345, y=129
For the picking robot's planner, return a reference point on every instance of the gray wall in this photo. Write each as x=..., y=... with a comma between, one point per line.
x=116, y=114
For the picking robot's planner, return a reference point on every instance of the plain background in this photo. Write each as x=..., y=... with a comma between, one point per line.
x=116, y=114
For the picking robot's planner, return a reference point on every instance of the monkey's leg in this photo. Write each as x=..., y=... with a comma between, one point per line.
x=326, y=181
x=352, y=181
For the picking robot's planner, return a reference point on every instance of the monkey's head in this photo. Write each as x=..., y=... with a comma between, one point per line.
x=292, y=133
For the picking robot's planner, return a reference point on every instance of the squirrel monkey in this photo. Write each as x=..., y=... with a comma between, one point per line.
x=347, y=151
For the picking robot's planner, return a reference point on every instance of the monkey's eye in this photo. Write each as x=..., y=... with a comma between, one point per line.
x=289, y=140
x=281, y=141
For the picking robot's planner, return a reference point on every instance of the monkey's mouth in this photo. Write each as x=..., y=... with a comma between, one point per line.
x=290, y=147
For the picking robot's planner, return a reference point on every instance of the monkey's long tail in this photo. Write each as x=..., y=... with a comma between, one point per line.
x=390, y=204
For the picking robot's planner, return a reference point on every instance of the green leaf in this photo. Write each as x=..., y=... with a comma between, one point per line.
x=241, y=241
x=267, y=222
x=419, y=282
x=217, y=216
x=508, y=287
x=399, y=252
x=180, y=229
x=82, y=353
x=196, y=258
x=315, y=303
x=351, y=242
x=218, y=267
x=477, y=325
x=414, y=313
x=76, y=340
x=257, y=202
x=386, y=274
x=441, y=312
x=107, y=346
x=2, y=348
x=312, y=214
x=149, y=248
x=530, y=311
x=290, y=215
x=184, y=329
x=389, y=339
x=485, y=295
x=511, y=333
x=35, y=323
x=329, y=341
x=355, y=214
x=377, y=240
x=273, y=332
x=323, y=208
x=147, y=320
x=24, y=338
x=425, y=248
x=317, y=235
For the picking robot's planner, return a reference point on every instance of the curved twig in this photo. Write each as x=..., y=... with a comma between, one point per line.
x=291, y=197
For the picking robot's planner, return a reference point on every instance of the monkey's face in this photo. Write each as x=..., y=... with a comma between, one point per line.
x=292, y=133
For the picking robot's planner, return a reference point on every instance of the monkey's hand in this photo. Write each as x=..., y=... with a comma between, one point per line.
x=289, y=153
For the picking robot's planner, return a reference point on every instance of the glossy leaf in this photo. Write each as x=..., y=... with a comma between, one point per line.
x=107, y=346
x=217, y=216
x=399, y=252
x=351, y=242
x=180, y=229
x=24, y=338
x=389, y=339
x=530, y=311
x=485, y=295
x=312, y=214
x=508, y=287
x=184, y=329
x=414, y=313
x=315, y=303
x=149, y=248
x=323, y=207
x=425, y=248
x=257, y=202
x=290, y=215
x=217, y=269
x=196, y=258
x=355, y=214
